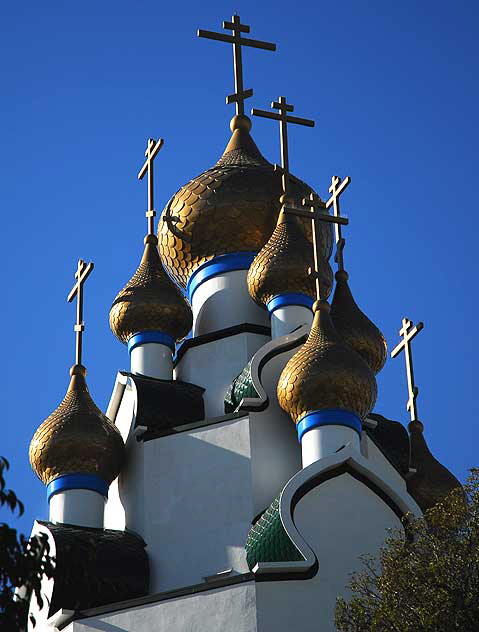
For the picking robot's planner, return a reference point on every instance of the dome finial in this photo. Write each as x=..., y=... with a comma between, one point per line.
x=337, y=187
x=150, y=301
x=77, y=438
x=238, y=41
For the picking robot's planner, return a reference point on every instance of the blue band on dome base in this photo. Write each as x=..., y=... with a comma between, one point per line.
x=218, y=265
x=144, y=337
x=328, y=417
x=289, y=298
x=77, y=481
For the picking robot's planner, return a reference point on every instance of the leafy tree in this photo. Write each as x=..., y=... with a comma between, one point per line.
x=23, y=562
x=426, y=582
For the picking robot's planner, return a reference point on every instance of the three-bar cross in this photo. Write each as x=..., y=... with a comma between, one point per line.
x=409, y=331
x=316, y=216
x=81, y=275
x=238, y=41
x=283, y=117
x=152, y=149
x=337, y=187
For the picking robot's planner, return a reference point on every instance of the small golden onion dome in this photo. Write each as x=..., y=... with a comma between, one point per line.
x=325, y=373
x=431, y=482
x=77, y=437
x=150, y=301
x=281, y=266
x=354, y=327
x=231, y=207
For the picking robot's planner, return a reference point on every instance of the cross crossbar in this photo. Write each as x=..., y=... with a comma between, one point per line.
x=283, y=106
x=81, y=275
x=152, y=148
x=408, y=332
x=237, y=40
x=337, y=187
x=316, y=216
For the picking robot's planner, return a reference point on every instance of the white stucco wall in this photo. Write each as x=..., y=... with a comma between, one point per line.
x=341, y=520
x=228, y=609
x=191, y=502
x=215, y=365
x=223, y=301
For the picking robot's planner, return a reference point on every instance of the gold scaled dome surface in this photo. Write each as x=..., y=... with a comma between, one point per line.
x=281, y=266
x=77, y=437
x=354, y=327
x=325, y=373
x=231, y=207
x=150, y=301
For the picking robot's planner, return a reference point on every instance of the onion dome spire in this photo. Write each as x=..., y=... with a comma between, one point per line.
x=281, y=266
x=230, y=209
x=353, y=326
x=150, y=301
x=325, y=374
x=77, y=438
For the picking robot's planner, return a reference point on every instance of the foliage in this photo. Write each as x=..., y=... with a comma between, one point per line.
x=23, y=562
x=426, y=582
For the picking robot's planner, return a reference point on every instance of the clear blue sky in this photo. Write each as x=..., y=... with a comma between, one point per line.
x=393, y=88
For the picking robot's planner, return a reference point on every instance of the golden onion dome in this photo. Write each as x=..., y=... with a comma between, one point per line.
x=232, y=207
x=150, y=301
x=77, y=437
x=324, y=373
x=281, y=266
x=354, y=327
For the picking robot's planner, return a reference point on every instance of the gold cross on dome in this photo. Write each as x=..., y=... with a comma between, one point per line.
x=409, y=331
x=238, y=41
x=81, y=275
x=316, y=216
x=152, y=148
x=283, y=117
x=337, y=187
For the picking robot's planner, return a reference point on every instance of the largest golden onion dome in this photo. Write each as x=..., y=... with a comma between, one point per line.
x=326, y=374
x=281, y=266
x=150, y=301
x=354, y=326
x=231, y=207
x=77, y=437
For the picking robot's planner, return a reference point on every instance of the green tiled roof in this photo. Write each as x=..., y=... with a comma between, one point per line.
x=241, y=387
x=267, y=540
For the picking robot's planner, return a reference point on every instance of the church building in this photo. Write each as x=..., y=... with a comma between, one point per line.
x=239, y=471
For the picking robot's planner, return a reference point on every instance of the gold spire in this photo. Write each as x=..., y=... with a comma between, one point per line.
x=150, y=301
x=231, y=207
x=354, y=327
x=324, y=374
x=282, y=264
x=77, y=437
x=238, y=41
